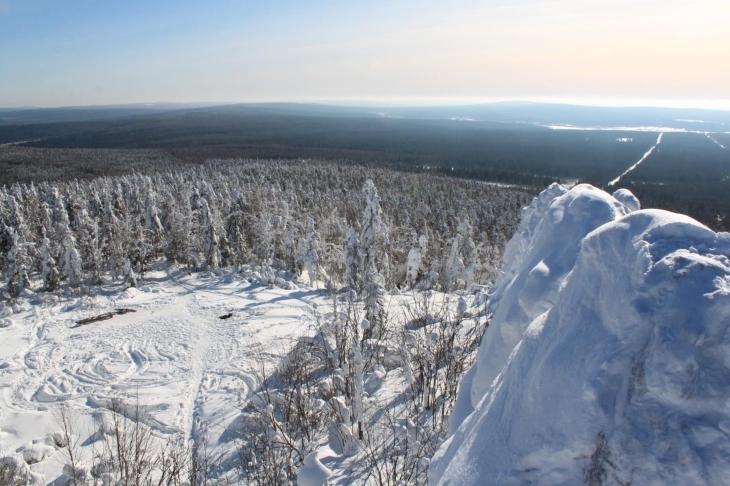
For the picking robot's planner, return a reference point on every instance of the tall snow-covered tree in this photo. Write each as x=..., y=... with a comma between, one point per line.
x=130, y=278
x=454, y=265
x=469, y=254
x=373, y=233
x=211, y=235
x=373, y=241
x=413, y=266
x=352, y=259
x=373, y=295
x=236, y=230
x=153, y=226
x=49, y=267
x=291, y=252
x=311, y=258
x=17, y=263
x=72, y=263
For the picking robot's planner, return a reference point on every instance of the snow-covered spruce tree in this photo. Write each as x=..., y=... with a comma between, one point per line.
x=373, y=232
x=179, y=223
x=211, y=235
x=373, y=296
x=413, y=266
x=45, y=218
x=332, y=255
x=373, y=241
x=352, y=260
x=453, y=265
x=291, y=250
x=461, y=263
x=236, y=230
x=112, y=240
x=88, y=243
x=49, y=267
x=94, y=263
x=311, y=258
x=17, y=220
x=155, y=232
x=130, y=278
x=262, y=238
x=300, y=255
x=138, y=250
x=469, y=255
x=72, y=263
x=17, y=264
x=61, y=223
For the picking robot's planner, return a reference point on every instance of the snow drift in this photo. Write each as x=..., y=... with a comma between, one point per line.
x=608, y=358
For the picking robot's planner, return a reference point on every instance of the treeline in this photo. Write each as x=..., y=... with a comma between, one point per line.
x=23, y=164
x=305, y=217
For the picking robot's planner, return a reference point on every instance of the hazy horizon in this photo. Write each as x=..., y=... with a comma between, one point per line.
x=607, y=53
x=448, y=102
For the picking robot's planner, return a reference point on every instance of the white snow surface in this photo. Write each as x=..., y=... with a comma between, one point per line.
x=608, y=358
x=313, y=472
x=188, y=366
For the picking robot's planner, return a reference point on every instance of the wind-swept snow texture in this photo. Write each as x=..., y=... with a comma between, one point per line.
x=618, y=362
x=191, y=369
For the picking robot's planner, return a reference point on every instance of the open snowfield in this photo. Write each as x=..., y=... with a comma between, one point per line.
x=186, y=364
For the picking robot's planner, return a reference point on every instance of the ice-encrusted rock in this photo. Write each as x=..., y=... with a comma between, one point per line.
x=623, y=379
x=537, y=259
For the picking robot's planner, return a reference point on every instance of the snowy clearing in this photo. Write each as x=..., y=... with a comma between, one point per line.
x=194, y=353
x=187, y=365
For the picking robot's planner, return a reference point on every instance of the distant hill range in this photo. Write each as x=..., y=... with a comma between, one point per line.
x=548, y=114
x=29, y=115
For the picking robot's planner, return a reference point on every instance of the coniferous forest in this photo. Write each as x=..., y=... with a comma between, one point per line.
x=435, y=232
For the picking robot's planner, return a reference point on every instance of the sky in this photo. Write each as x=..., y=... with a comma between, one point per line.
x=618, y=52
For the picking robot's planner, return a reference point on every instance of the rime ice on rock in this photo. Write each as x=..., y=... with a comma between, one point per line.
x=619, y=371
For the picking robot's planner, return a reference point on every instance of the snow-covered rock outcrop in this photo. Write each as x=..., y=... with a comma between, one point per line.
x=536, y=261
x=616, y=367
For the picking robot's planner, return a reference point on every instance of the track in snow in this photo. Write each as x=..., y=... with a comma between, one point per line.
x=711, y=138
x=191, y=370
x=645, y=156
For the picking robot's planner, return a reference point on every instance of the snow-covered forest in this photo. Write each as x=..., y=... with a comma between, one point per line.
x=299, y=216
x=244, y=322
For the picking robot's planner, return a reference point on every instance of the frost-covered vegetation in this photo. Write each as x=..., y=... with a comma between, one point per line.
x=434, y=232
x=297, y=322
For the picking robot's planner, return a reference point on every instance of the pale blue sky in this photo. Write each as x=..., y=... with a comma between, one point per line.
x=83, y=52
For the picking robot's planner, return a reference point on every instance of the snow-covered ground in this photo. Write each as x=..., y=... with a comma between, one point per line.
x=187, y=365
x=191, y=351
x=606, y=361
